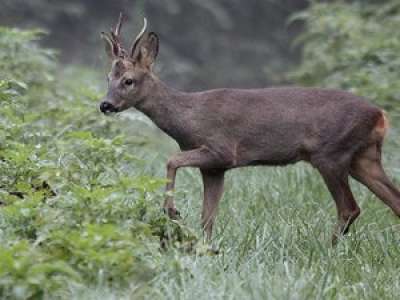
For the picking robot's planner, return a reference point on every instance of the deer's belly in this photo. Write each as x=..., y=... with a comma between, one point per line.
x=270, y=155
x=269, y=161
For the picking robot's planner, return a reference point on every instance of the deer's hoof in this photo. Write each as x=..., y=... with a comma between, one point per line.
x=173, y=213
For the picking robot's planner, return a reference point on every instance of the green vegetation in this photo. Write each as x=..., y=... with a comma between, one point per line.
x=354, y=47
x=80, y=193
x=76, y=205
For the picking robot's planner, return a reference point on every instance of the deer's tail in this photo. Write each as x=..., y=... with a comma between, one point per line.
x=380, y=129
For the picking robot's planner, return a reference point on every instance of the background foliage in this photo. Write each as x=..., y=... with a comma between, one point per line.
x=199, y=38
x=80, y=193
x=354, y=47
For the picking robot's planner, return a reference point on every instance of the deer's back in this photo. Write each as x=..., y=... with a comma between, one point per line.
x=279, y=125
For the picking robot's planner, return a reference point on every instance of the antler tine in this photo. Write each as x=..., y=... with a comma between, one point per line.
x=121, y=19
x=139, y=36
x=116, y=41
x=143, y=30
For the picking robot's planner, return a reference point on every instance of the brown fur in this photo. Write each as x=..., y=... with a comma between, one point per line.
x=335, y=131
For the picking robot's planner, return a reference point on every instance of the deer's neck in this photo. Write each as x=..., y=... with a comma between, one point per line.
x=166, y=107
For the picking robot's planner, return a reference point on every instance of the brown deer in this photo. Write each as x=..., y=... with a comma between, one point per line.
x=338, y=133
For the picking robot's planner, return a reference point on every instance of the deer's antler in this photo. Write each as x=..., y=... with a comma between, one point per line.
x=115, y=37
x=138, y=37
x=114, y=40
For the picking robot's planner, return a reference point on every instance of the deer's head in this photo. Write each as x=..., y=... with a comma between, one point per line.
x=130, y=79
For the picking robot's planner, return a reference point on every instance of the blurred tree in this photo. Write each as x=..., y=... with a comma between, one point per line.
x=204, y=43
x=355, y=47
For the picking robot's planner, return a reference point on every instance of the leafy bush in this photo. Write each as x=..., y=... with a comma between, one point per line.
x=74, y=206
x=353, y=46
x=27, y=272
x=22, y=59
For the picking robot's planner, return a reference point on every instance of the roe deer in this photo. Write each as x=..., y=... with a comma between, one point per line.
x=338, y=133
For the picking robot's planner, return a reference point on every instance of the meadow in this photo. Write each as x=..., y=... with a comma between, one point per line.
x=81, y=197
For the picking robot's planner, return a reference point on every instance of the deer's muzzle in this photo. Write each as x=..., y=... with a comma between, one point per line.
x=107, y=107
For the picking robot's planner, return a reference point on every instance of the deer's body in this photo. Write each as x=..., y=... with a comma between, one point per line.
x=270, y=126
x=339, y=133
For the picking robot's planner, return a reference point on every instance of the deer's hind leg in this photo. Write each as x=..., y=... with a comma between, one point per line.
x=347, y=208
x=367, y=169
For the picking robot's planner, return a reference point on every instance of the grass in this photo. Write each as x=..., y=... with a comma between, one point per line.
x=273, y=231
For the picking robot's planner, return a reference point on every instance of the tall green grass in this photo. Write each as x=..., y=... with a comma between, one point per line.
x=273, y=232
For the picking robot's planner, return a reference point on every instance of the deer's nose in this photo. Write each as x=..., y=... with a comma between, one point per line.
x=107, y=107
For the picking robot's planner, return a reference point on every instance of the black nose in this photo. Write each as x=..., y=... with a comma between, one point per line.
x=106, y=107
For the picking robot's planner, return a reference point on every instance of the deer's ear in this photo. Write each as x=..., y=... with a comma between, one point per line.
x=108, y=44
x=148, y=50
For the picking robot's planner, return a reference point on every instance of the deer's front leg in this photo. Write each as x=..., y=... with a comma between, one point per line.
x=201, y=158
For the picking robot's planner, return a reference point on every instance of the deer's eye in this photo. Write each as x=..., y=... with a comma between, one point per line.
x=128, y=81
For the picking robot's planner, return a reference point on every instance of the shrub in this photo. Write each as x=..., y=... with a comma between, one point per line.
x=74, y=204
x=352, y=46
